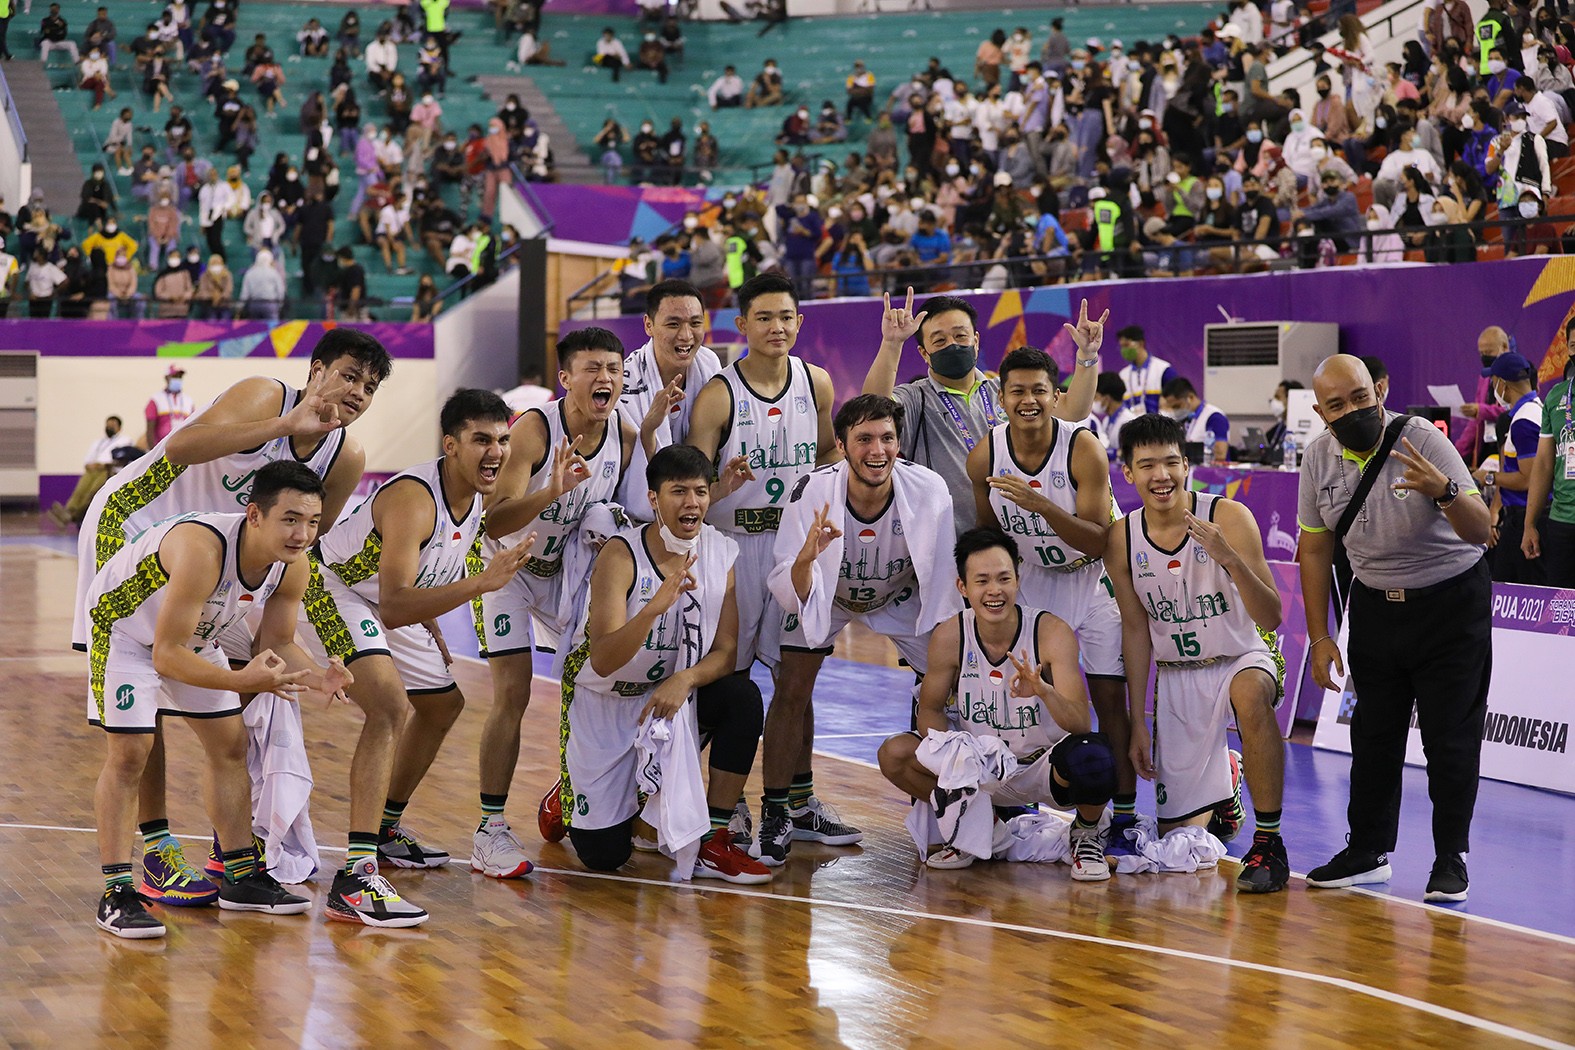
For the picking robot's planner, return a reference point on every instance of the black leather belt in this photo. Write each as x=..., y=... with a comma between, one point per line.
x=1411, y=594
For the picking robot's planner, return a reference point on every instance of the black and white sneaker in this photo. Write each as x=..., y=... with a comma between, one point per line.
x=1448, y=882
x=399, y=847
x=1351, y=867
x=260, y=891
x=741, y=827
x=818, y=822
x=121, y=912
x=776, y=836
x=362, y=895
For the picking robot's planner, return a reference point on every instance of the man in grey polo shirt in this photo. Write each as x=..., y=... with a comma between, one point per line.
x=948, y=411
x=1420, y=621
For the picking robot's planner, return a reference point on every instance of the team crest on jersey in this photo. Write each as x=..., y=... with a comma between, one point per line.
x=1142, y=564
x=896, y=527
x=1201, y=555
x=645, y=586
x=801, y=405
x=1058, y=478
x=1401, y=493
x=224, y=588
x=607, y=469
x=743, y=411
x=973, y=659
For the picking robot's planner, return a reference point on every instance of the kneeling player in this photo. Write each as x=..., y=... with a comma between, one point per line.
x=999, y=670
x=661, y=630
x=156, y=610
x=1196, y=595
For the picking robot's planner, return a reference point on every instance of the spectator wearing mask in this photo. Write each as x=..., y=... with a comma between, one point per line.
x=1513, y=382
x=110, y=239
x=727, y=91
x=95, y=471
x=93, y=75
x=170, y=407
x=164, y=221
x=861, y=92
x=766, y=88
x=1336, y=214
x=1550, y=539
x=800, y=229
x=1521, y=163
x=262, y=288
x=96, y=199
x=215, y=289
x=1201, y=421
x=1111, y=411
x=382, y=59
x=121, y=284
x=1541, y=115
x=44, y=280
x=349, y=287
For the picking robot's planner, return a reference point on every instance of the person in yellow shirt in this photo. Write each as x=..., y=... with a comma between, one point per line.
x=112, y=239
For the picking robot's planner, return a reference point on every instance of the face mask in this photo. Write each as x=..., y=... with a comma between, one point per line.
x=1331, y=191
x=110, y=432
x=1359, y=430
x=690, y=223
x=1374, y=224
x=673, y=543
x=1528, y=209
x=1503, y=402
x=1382, y=122
x=174, y=386
x=1323, y=92
x=1078, y=63
x=953, y=168
x=1298, y=125
x=1145, y=124
x=1276, y=408
x=110, y=229
x=1129, y=353
x=1496, y=66
x=193, y=259
x=1214, y=193
x=645, y=129
x=1254, y=135
x=955, y=361
x=1178, y=414
x=1517, y=126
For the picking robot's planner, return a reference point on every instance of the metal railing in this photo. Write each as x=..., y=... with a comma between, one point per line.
x=1292, y=251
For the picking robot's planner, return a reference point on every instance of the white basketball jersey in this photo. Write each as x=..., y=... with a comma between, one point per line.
x=556, y=524
x=876, y=565
x=127, y=593
x=153, y=488
x=1194, y=610
x=642, y=381
x=780, y=436
x=984, y=702
x=1052, y=479
x=353, y=551
x=673, y=642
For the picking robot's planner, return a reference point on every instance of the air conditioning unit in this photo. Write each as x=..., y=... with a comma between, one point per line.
x=1243, y=363
x=19, y=425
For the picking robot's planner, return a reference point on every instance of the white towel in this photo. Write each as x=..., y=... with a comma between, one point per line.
x=963, y=763
x=281, y=787
x=924, y=506
x=669, y=773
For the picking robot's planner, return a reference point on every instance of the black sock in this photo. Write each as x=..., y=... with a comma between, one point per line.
x=1267, y=820
x=1124, y=805
x=720, y=815
x=777, y=796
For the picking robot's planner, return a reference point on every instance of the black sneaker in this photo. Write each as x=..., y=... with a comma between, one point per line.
x=776, y=835
x=121, y=912
x=362, y=895
x=1351, y=867
x=260, y=891
x=1448, y=881
x=399, y=847
x=1264, y=867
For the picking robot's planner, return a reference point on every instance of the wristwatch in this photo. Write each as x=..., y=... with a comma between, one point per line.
x=1489, y=477
x=1090, y=363
x=1447, y=500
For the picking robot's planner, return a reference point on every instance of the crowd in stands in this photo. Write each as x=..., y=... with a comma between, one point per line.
x=378, y=167
x=1055, y=160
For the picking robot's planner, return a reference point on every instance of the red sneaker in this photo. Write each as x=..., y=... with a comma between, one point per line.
x=549, y=816
x=720, y=859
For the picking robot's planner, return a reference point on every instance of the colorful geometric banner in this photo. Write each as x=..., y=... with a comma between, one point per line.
x=189, y=339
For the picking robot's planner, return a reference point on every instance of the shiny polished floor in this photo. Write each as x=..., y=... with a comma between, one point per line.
x=857, y=947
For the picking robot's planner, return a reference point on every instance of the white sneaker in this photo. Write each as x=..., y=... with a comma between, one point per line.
x=645, y=845
x=498, y=854
x=741, y=828
x=1088, y=856
x=949, y=857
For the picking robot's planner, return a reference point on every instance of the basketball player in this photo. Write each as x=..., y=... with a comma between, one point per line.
x=1197, y=597
x=658, y=377
x=864, y=539
x=157, y=609
x=660, y=632
x=774, y=409
x=1000, y=669
x=208, y=465
x=396, y=559
x=1048, y=482
x=567, y=455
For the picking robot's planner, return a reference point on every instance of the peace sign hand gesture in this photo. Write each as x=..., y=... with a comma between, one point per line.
x=1420, y=475
x=898, y=325
x=1088, y=335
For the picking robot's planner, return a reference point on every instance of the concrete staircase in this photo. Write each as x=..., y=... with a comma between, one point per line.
x=56, y=169
x=570, y=161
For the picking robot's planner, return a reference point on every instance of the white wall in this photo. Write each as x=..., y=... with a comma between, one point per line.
x=76, y=393
x=16, y=178
x=476, y=341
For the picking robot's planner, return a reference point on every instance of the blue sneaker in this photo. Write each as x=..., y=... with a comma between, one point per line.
x=1117, y=844
x=168, y=879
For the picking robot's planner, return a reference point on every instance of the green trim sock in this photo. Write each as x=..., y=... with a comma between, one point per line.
x=719, y=820
x=116, y=875
x=239, y=863
x=1267, y=820
x=492, y=810
x=392, y=811
x=154, y=832
x=1124, y=805
x=774, y=797
x=363, y=844
x=1079, y=824
x=801, y=790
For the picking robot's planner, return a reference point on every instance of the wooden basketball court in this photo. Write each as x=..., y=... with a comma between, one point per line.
x=858, y=946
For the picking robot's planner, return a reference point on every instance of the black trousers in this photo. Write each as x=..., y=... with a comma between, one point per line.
x=1558, y=553
x=1509, y=565
x=1433, y=653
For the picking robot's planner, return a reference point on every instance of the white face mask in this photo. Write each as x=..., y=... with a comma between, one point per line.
x=1517, y=125
x=1177, y=414
x=1495, y=66
x=1528, y=209
x=674, y=543
x=1276, y=408
x=1503, y=402
x=1374, y=224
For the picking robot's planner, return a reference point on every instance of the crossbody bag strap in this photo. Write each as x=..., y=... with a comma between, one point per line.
x=1370, y=476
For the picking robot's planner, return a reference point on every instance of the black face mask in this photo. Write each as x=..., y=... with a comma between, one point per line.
x=1360, y=429
x=1487, y=360
x=955, y=361
x=1331, y=191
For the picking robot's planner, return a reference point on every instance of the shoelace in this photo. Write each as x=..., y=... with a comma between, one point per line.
x=826, y=814
x=379, y=886
x=175, y=859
